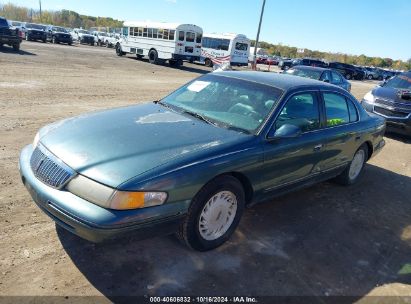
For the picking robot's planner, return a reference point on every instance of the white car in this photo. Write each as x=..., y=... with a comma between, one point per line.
x=83, y=36
x=111, y=39
x=100, y=38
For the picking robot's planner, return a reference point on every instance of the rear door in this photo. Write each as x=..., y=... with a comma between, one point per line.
x=340, y=131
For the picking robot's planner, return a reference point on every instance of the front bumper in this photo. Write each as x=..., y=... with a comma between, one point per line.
x=93, y=222
x=393, y=124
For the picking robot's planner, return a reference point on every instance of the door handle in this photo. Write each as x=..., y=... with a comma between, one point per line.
x=318, y=147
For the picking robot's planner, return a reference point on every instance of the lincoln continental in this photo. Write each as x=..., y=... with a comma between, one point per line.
x=192, y=162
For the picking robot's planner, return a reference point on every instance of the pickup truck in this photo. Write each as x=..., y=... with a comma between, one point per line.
x=9, y=35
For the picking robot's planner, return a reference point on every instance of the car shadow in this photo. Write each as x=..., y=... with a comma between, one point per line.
x=9, y=50
x=398, y=137
x=326, y=240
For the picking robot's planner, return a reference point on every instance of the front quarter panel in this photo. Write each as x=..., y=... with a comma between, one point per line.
x=182, y=181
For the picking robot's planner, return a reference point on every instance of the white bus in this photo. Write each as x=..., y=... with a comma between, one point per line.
x=161, y=41
x=219, y=48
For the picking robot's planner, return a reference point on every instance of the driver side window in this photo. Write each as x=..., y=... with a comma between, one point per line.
x=300, y=110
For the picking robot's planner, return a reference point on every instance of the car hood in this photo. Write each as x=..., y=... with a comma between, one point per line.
x=114, y=146
x=388, y=94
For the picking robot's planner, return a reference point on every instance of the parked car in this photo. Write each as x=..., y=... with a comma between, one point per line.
x=111, y=39
x=286, y=64
x=261, y=59
x=271, y=60
x=83, y=36
x=57, y=34
x=19, y=25
x=321, y=74
x=99, y=37
x=35, y=32
x=347, y=70
x=247, y=137
x=373, y=74
x=9, y=35
x=392, y=100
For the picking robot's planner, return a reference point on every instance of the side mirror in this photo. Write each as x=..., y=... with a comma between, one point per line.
x=286, y=131
x=382, y=83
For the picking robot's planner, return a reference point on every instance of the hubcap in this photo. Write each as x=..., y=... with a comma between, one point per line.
x=356, y=164
x=217, y=215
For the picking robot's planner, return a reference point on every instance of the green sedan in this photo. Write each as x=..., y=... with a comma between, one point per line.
x=191, y=162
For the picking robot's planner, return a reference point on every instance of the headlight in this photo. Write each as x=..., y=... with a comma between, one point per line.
x=369, y=97
x=36, y=139
x=110, y=198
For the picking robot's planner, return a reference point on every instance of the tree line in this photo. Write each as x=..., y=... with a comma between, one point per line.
x=363, y=60
x=63, y=17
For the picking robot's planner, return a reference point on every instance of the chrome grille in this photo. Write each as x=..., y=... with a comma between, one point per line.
x=399, y=106
x=50, y=170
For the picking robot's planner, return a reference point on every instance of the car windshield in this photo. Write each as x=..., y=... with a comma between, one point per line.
x=399, y=82
x=226, y=102
x=35, y=26
x=305, y=73
x=59, y=29
x=16, y=23
x=84, y=32
x=102, y=34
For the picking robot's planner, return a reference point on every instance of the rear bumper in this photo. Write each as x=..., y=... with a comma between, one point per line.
x=93, y=222
x=185, y=57
x=395, y=125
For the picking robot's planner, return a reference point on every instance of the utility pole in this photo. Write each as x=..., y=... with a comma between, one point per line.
x=254, y=66
x=40, y=9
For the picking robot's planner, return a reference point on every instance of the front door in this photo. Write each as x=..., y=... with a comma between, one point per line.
x=289, y=160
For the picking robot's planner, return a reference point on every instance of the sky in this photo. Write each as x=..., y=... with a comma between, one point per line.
x=371, y=27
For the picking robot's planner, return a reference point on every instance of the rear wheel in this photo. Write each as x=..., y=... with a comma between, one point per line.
x=208, y=62
x=353, y=172
x=214, y=214
x=16, y=47
x=369, y=77
x=348, y=76
x=153, y=57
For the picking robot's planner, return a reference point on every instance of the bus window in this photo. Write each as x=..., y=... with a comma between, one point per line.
x=190, y=36
x=181, y=36
x=171, y=36
x=165, y=34
x=155, y=31
x=160, y=34
x=224, y=44
x=199, y=37
x=140, y=31
x=125, y=31
x=145, y=30
x=241, y=46
x=150, y=33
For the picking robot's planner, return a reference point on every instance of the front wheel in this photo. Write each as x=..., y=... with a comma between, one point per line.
x=53, y=40
x=348, y=76
x=208, y=63
x=214, y=214
x=353, y=172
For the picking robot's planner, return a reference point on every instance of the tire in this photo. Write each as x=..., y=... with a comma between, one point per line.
x=153, y=57
x=107, y=45
x=222, y=196
x=16, y=47
x=370, y=77
x=354, y=170
x=53, y=40
x=208, y=63
x=348, y=76
x=45, y=40
x=118, y=50
x=27, y=37
x=92, y=43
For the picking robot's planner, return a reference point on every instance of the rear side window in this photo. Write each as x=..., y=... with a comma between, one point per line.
x=336, y=78
x=336, y=109
x=300, y=110
x=353, y=111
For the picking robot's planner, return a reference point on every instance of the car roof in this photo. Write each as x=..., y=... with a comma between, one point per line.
x=310, y=68
x=280, y=81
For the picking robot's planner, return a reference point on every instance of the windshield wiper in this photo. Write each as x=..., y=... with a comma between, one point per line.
x=238, y=129
x=201, y=117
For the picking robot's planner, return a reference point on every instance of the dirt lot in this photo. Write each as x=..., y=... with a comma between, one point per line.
x=325, y=240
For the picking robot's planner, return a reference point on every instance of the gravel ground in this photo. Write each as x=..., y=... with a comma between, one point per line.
x=324, y=240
